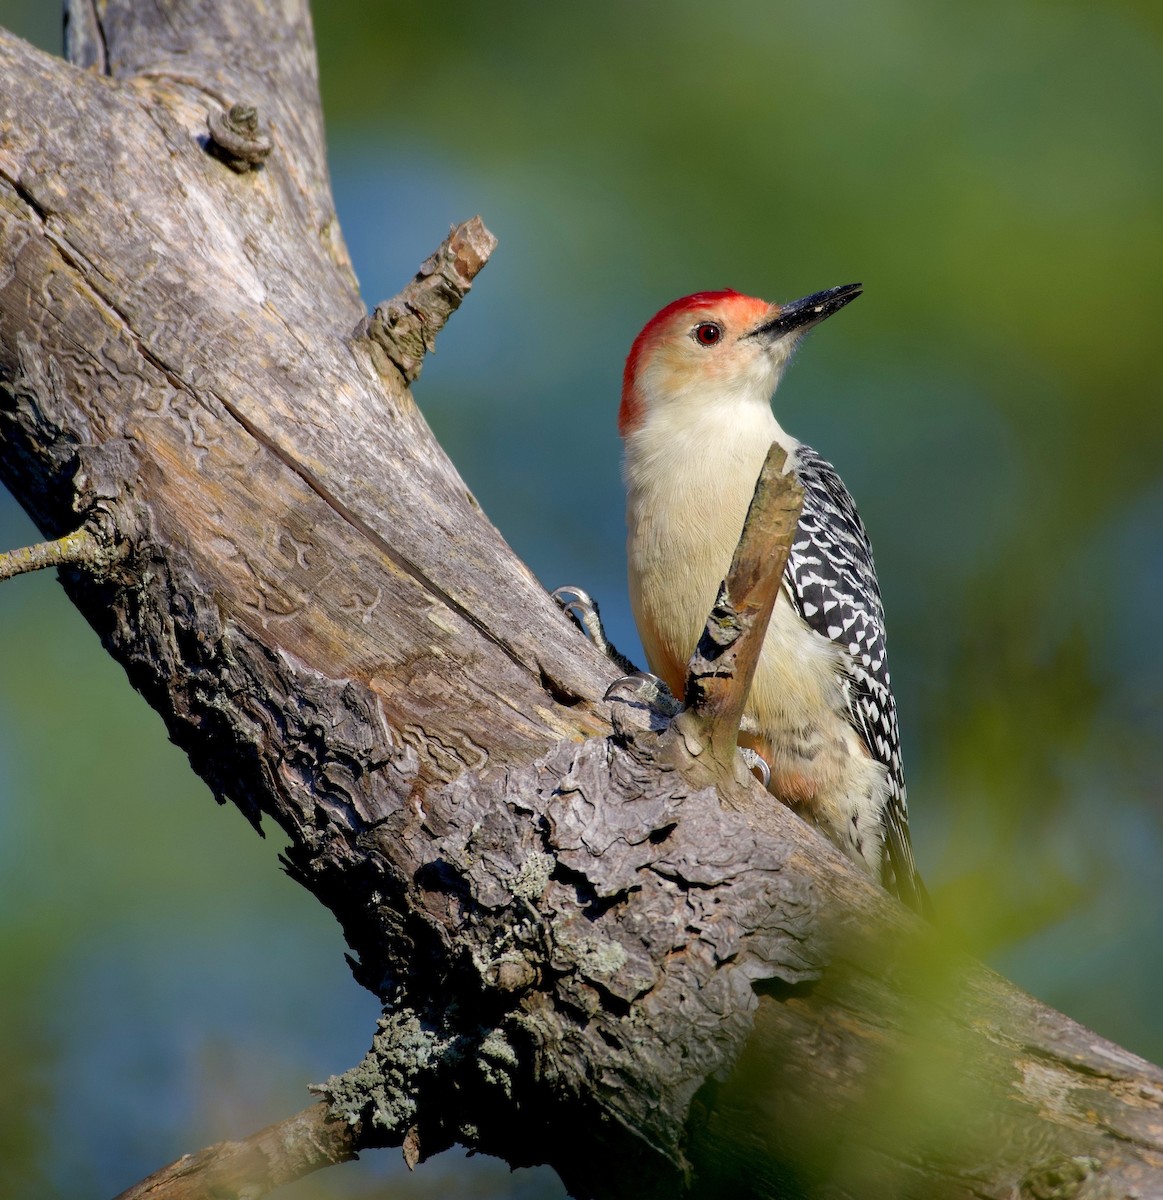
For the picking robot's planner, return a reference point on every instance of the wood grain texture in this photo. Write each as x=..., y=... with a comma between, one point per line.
x=245, y=1170
x=589, y=956
x=723, y=664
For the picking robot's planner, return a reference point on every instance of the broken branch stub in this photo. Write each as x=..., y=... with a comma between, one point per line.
x=723, y=665
x=405, y=327
x=94, y=547
x=237, y=138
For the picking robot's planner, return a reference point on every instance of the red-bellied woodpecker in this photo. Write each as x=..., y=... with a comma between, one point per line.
x=697, y=422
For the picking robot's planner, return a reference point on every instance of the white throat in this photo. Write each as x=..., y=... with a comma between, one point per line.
x=705, y=447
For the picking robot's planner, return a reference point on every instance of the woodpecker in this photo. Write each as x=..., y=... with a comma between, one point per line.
x=697, y=424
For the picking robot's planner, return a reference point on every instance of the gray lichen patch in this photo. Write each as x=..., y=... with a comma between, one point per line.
x=498, y=1061
x=532, y=877
x=381, y=1089
x=599, y=958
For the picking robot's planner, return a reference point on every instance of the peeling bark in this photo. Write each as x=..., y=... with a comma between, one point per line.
x=596, y=948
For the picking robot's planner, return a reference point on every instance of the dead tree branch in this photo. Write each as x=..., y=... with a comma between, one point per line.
x=246, y=1170
x=83, y=547
x=587, y=955
x=405, y=327
x=723, y=664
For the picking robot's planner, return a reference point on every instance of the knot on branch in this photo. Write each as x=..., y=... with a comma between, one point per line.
x=237, y=139
x=405, y=327
x=94, y=548
x=724, y=626
x=1058, y=1178
x=80, y=548
x=387, y=1097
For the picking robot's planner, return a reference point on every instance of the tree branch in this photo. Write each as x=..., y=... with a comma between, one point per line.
x=723, y=665
x=405, y=327
x=246, y=1170
x=81, y=548
x=587, y=955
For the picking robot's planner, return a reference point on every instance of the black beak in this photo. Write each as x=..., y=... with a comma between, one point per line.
x=799, y=314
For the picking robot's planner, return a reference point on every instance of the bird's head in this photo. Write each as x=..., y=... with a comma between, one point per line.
x=717, y=347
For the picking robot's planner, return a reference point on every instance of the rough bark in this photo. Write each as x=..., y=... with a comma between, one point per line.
x=600, y=949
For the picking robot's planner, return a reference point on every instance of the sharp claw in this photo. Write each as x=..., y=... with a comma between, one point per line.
x=581, y=609
x=756, y=762
x=628, y=682
x=640, y=686
x=646, y=689
x=560, y=594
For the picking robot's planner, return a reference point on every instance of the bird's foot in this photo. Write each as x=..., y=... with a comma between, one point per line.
x=640, y=687
x=641, y=700
x=639, y=691
x=583, y=610
x=757, y=763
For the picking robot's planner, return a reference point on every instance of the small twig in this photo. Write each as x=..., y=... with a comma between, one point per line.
x=406, y=326
x=723, y=665
x=251, y=1168
x=80, y=548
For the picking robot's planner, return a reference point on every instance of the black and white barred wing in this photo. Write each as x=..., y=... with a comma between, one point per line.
x=831, y=581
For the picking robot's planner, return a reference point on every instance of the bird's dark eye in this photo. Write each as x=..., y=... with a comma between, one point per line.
x=708, y=333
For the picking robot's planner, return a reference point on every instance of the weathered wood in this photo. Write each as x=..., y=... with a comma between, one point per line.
x=281, y=1153
x=220, y=357
x=574, y=937
x=405, y=328
x=723, y=665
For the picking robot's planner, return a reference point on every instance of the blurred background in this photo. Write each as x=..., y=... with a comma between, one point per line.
x=992, y=173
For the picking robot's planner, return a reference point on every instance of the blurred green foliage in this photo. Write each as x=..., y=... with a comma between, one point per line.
x=992, y=173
